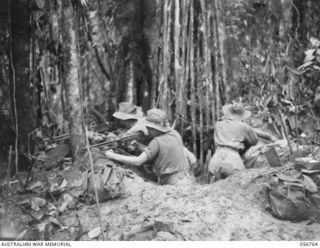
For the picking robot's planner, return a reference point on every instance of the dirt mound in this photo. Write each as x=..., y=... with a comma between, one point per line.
x=231, y=209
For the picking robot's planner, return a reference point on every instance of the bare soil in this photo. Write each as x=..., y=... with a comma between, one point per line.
x=230, y=209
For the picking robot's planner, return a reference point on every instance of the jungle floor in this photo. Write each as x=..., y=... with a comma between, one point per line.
x=232, y=209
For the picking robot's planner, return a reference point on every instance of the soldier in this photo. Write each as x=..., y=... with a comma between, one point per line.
x=232, y=136
x=165, y=152
x=129, y=116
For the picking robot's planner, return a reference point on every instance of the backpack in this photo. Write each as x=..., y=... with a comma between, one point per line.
x=290, y=196
x=109, y=182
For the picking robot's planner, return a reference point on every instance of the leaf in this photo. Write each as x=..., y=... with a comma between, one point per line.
x=44, y=230
x=94, y=233
x=309, y=55
x=77, y=183
x=67, y=199
x=316, y=67
x=37, y=203
x=54, y=221
x=309, y=184
x=63, y=184
x=315, y=42
x=53, y=187
x=25, y=202
x=39, y=215
x=273, y=69
x=37, y=184
x=42, y=226
x=52, y=210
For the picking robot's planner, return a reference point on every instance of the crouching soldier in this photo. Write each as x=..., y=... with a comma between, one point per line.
x=165, y=152
x=130, y=116
x=232, y=136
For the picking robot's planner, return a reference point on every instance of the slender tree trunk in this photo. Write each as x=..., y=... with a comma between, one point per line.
x=192, y=78
x=166, y=56
x=156, y=55
x=207, y=66
x=71, y=77
x=20, y=71
x=219, y=52
x=177, y=65
x=200, y=98
x=185, y=69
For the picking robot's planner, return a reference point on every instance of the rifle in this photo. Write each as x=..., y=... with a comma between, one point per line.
x=123, y=139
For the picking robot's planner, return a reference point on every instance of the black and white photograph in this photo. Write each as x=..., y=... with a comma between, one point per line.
x=159, y=120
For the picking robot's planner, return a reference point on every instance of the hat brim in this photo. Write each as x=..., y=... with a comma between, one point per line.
x=124, y=116
x=227, y=114
x=163, y=129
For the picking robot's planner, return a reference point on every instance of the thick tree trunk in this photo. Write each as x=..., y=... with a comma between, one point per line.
x=20, y=71
x=71, y=77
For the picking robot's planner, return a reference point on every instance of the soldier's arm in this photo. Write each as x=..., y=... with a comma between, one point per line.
x=133, y=160
x=265, y=135
x=251, y=136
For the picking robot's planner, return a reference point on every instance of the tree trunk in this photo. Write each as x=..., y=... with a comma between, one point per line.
x=20, y=72
x=163, y=94
x=177, y=65
x=207, y=65
x=192, y=79
x=220, y=37
x=71, y=77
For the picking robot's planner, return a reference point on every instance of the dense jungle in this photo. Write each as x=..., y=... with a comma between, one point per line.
x=66, y=68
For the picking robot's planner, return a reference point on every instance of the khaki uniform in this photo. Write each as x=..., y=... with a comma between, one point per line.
x=168, y=159
x=230, y=138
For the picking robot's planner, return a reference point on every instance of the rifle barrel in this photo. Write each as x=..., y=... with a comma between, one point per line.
x=124, y=138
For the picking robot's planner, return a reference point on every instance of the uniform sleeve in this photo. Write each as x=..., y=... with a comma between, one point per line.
x=152, y=149
x=251, y=136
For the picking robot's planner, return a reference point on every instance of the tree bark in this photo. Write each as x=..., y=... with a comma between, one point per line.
x=71, y=77
x=177, y=65
x=192, y=79
x=20, y=71
x=220, y=74
x=163, y=94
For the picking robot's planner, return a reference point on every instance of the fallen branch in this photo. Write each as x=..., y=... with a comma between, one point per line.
x=136, y=230
x=157, y=225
